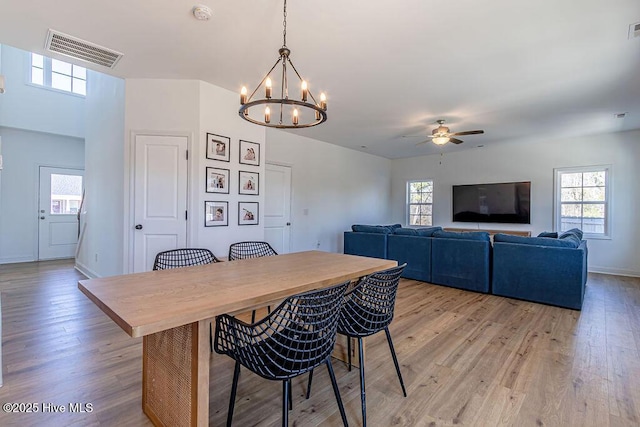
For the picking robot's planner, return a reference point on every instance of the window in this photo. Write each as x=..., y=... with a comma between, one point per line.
x=420, y=202
x=583, y=199
x=66, y=193
x=58, y=74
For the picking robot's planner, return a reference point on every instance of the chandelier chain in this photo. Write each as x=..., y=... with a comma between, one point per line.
x=284, y=25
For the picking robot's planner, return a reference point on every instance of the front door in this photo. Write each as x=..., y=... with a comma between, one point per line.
x=60, y=197
x=277, y=216
x=160, y=197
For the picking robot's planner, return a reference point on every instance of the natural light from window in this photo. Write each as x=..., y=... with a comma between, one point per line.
x=582, y=200
x=58, y=74
x=420, y=202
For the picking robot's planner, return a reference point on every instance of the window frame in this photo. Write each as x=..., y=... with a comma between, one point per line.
x=408, y=203
x=557, y=215
x=47, y=70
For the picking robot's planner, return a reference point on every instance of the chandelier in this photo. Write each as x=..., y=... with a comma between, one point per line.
x=287, y=113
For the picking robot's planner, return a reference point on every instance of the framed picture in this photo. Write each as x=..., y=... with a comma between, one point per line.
x=249, y=182
x=249, y=153
x=247, y=213
x=216, y=214
x=217, y=180
x=218, y=147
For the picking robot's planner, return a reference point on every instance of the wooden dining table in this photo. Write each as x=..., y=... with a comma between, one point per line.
x=172, y=310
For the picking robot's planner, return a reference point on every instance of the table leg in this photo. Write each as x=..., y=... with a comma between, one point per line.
x=340, y=350
x=175, y=376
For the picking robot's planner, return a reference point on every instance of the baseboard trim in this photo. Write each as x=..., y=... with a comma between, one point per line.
x=16, y=260
x=614, y=271
x=86, y=271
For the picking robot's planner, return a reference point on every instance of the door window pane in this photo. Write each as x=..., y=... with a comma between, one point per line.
x=66, y=194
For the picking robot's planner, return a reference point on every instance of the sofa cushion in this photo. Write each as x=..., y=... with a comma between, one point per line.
x=428, y=232
x=536, y=241
x=570, y=237
x=551, y=234
x=380, y=229
x=406, y=231
x=472, y=235
x=575, y=231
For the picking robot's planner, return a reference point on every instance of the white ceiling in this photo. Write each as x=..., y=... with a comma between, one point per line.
x=519, y=70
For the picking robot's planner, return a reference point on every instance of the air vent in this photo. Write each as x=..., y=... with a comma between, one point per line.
x=80, y=49
x=620, y=115
x=634, y=30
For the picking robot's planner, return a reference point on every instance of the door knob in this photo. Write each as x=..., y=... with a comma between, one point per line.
x=288, y=223
x=41, y=217
x=139, y=227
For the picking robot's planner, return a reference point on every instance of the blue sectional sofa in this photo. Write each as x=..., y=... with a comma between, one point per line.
x=550, y=270
x=541, y=269
x=461, y=260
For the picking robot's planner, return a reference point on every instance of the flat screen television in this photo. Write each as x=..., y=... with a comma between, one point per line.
x=507, y=202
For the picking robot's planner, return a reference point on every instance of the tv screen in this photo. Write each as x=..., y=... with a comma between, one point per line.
x=507, y=202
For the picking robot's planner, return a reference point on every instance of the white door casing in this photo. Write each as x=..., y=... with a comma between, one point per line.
x=277, y=214
x=160, y=197
x=60, y=192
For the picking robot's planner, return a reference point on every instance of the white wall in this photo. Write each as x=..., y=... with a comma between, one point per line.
x=193, y=108
x=535, y=162
x=100, y=252
x=332, y=188
x=23, y=153
x=32, y=107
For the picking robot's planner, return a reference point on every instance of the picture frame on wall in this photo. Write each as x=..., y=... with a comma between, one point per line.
x=249, y=153
x=249, y=183
x=216, y=214
x=217, y=180
x=248, y=213
x=218, y=147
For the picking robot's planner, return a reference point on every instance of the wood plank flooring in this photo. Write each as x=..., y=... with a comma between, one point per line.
x=468, y=359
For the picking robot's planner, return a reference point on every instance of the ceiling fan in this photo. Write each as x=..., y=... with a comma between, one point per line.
x=441, y=135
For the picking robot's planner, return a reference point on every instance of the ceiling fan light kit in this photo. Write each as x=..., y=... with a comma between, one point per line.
x=289, y=113
x=441, y=135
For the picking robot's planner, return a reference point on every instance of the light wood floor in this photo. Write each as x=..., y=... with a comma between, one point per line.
x=467, y=359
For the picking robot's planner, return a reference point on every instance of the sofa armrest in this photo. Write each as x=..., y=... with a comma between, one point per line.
x=550, y=275
x=373, y=245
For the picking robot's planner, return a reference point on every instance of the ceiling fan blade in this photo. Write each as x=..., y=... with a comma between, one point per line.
x=412, y=136
x=469, y=132
x=423, y=142
x=455, y=141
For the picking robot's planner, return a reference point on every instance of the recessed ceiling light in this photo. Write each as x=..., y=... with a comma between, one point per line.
x=202, y=12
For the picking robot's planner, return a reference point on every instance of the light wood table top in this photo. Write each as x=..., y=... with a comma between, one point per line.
x=146, y=303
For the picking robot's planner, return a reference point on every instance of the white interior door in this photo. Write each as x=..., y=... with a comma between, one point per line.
x=60, y=194
x=277, y=215
x=160, y=197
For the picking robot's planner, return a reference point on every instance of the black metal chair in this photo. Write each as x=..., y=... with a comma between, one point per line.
x=244, y=250
x=294, y=338
x=185, y=257
x=368, y=309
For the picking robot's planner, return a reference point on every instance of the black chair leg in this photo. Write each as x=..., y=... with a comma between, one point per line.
x=211, y=336
x=234, y=389
x=253, y=316
x=349, y=352
x=395, y=361
x=309, y=384
x=285, y=403
x=290, y=396
x=362, y=388
x=336, y=392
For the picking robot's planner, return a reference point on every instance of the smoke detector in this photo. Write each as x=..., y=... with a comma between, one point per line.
x=202, y=12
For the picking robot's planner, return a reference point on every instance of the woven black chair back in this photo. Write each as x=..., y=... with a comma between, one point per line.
x=243, y=250
x=368, y=308
x=294, y=338
x=185, y=257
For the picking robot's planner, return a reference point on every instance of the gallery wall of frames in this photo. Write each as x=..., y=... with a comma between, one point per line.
x=221, y=183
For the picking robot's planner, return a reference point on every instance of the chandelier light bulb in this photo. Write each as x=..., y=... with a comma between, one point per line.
x=305, y=91
x=243, y=95
x=295, y=116
x=267, y=115
x=323, y=101
x=267, y=88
